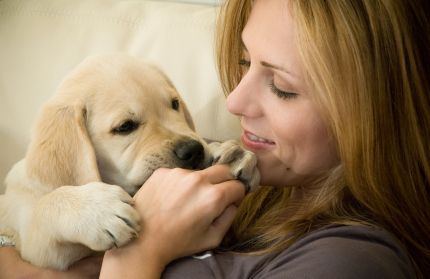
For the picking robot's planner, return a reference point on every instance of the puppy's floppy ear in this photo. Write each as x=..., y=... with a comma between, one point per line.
x=61, y=152
x=187, y=113
x=188, y=117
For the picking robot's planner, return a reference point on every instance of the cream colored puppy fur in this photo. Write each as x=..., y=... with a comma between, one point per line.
x=113, y=121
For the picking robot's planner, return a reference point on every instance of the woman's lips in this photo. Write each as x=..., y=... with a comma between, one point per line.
x=255, y=142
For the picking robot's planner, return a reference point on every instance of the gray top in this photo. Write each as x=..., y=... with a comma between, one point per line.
x=347, y=252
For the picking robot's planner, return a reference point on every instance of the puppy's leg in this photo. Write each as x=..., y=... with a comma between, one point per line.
x=71, y=220
x=7, y=235
x=243, y=163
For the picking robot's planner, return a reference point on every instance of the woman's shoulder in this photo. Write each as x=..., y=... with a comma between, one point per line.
x=334, y=251
x=339, y=251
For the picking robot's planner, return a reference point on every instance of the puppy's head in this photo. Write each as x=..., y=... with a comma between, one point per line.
x=113, y=119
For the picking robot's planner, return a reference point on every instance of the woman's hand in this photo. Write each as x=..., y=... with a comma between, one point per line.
x=186, y=212
x=183, y=212
x=12, y=266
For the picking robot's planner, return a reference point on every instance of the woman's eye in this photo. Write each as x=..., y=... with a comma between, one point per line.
x=175, y=104
x=245, y=63
x=126, y=128
x=281, y=94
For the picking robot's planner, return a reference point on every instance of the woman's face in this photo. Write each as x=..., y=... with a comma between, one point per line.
x=280, y=122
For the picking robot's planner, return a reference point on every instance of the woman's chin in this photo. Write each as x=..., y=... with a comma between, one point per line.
x=272, y=171
x=275, y=176
x=279, y=175
x=283, y=181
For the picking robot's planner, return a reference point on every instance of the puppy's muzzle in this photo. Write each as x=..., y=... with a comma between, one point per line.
x=189, y=153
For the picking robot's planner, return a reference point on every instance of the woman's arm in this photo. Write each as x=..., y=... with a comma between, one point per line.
x=12, y=266
x=183, y=212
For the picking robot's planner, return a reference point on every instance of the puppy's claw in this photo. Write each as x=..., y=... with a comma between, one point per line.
x=242, y=163
x=128, y=222
x=129, y=202
x=216, y=160
x=113, y=238
x=134, y=235
x=245, y=185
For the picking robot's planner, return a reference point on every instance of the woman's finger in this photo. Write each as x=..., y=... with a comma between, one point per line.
x=221, y=224
x=232, y=192
x=217, y=174
x=89, y=266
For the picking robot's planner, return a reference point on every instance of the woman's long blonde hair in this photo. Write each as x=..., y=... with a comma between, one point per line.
x=368, y=63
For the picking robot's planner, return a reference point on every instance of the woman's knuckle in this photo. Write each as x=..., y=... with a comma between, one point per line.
x=216, y=196
x=195, y=178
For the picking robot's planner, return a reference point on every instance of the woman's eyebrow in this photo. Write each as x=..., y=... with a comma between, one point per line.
x=267, y=64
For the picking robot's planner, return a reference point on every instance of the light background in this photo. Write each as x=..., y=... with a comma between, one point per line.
x=206, y=2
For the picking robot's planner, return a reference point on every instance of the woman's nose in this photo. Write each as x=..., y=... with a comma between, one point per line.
x=243, y=100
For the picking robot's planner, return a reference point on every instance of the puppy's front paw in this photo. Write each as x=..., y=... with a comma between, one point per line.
x=243, y=163
x=107, y=217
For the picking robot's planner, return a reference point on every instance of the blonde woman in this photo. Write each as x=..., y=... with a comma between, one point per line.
x=334, y=100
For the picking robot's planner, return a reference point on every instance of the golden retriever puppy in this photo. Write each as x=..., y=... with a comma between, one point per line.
x=111, y=123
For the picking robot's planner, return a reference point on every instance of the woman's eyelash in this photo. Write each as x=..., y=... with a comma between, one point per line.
x=281, y=94
x=244, y=62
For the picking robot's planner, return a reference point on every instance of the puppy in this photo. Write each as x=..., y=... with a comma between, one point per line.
x=111, y=123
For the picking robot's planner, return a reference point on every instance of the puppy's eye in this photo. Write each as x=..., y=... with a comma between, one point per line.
x=175, y=104
x=125, y=128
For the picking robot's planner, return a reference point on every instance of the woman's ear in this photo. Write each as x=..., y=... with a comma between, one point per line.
x=60, y=152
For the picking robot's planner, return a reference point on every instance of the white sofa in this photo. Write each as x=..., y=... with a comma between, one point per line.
x=41, y=40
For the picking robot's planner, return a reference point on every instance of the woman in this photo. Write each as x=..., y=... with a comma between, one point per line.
x=334, y=100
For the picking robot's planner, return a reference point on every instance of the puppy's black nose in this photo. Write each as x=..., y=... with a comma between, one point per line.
x=190, y=153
